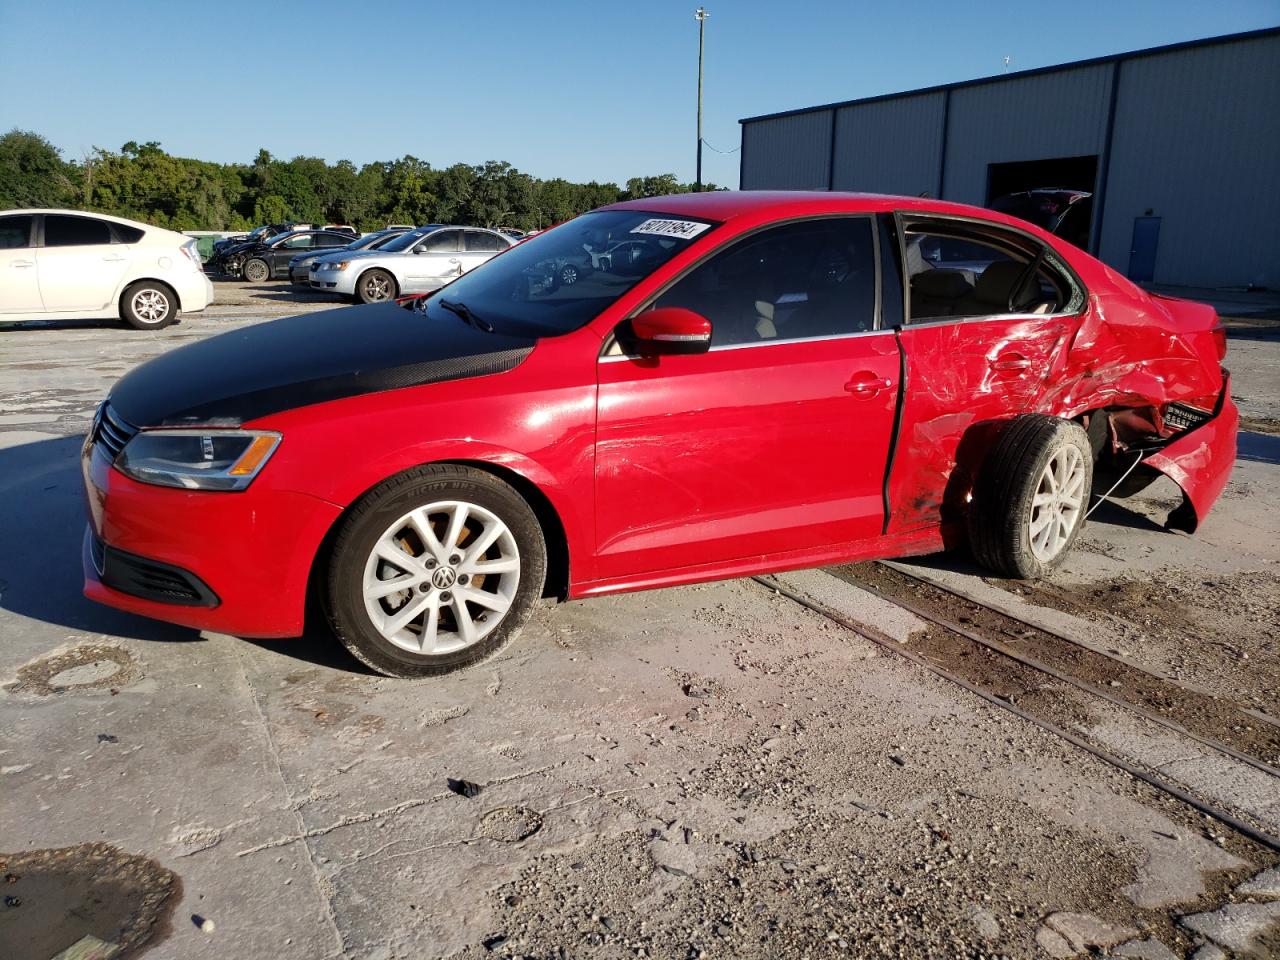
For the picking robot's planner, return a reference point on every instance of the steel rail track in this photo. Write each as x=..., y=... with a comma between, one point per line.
x=1006, y=651
x=870, y=633
x=1058, y=635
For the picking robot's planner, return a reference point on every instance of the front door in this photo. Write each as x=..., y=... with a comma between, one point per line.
x=79, y=267
x=776, y=440
x=19, y=285
x=435, y=261
x=987, y=322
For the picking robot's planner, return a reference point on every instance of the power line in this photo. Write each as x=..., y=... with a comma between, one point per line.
x=717, y=150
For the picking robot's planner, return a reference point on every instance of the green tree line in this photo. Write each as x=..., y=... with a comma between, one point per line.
x=143, y=182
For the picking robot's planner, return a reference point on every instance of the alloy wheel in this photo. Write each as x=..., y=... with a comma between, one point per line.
x=441, y=577
x=1058, y=503
x=377, y=287
x=150, y=305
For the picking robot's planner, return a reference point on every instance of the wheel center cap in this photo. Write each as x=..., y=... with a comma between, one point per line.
x=444, y=578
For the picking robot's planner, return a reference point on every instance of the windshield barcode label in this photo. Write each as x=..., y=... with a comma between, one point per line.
x=680, y=229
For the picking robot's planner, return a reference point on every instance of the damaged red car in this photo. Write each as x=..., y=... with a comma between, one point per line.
x=725, y=384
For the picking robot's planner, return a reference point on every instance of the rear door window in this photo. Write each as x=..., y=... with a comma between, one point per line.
x=957, y=270
x=64, y=231
x=15, y=232
x=477, y=241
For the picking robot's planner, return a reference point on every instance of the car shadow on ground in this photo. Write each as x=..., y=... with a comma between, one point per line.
x=42, y=515
x=19, y=326
x=1258, y=447
x=287, y=293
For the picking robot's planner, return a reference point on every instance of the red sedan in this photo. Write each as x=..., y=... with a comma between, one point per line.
x=723, y=384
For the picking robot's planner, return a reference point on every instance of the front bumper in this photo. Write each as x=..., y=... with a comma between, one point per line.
x=252, y=551
x=1200, y=461
x=334, y=281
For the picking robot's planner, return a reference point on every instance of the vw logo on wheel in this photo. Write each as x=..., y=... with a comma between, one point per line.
x=443, y=578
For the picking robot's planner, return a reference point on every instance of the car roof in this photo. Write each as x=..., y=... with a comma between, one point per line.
x=724, y=205
x=87, y=213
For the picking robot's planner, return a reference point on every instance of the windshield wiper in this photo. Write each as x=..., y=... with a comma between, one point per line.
x=463, y=311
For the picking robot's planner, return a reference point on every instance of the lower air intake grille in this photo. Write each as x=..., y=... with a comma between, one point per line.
x=151, y=579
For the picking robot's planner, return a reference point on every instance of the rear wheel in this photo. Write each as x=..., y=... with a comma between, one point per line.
x=1031, y=496
x=433, y=570
x=374, y=286
x=146, y=305
x=256, y=270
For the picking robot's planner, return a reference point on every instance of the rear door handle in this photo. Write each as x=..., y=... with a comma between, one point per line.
x=115, y=259
x=864, y=384
x=1010, y=362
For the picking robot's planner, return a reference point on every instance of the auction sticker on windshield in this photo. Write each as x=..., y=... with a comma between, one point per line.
x=680, y=229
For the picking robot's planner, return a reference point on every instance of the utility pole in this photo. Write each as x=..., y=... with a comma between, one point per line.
x=701, y=16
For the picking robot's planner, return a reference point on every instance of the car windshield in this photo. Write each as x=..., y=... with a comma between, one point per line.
x=557, y=281
x=369, y=241
x=406, y=240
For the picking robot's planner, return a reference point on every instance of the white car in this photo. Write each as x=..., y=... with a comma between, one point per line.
x=75, y=265
x=419, y=261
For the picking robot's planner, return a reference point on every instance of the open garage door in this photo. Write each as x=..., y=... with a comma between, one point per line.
x=1056, y=194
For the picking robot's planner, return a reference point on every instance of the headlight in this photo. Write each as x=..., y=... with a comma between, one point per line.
x=340, y=265
x=197, y=459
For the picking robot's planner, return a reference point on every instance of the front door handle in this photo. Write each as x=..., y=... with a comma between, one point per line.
x=864, y=384
x=1010, y=363
x=22, y=264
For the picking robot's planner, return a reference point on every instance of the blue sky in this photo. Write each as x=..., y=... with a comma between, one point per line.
x=557, y=87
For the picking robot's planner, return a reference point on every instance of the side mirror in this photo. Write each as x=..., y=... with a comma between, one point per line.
x=669, y=330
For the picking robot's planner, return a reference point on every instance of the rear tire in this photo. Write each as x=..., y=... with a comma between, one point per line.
x=376, y=286
x=256, y=271
x=147, y=305
x=1031, y=496
x=468, y=555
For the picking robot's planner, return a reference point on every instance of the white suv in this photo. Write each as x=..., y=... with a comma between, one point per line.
x=75, y=265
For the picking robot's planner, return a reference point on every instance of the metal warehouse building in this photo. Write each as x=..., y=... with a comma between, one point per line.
x=1180, y=146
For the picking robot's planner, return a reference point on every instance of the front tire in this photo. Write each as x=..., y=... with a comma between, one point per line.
x=256, y=271
x=148, y=306
x=375, y=286
x=1031, y=496
x=433, y=570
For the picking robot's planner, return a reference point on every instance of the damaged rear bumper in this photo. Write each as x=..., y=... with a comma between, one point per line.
x=1200, y=461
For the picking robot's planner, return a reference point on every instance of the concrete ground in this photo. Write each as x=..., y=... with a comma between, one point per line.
x=707, y=771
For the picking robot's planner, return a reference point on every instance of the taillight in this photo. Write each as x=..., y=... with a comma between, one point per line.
x=1220, y=339
x=192, y=251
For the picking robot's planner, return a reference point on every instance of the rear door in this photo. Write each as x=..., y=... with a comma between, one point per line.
x=19, y=283
x=989, y=313
x=436, y=259
x=776, y=439
x=479, y=246
x=79, y=263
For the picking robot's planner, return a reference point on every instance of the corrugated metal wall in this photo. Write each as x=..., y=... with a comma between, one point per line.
x=1059, y=114
x=890, y=146
x=787, y=153
x=1197, y=143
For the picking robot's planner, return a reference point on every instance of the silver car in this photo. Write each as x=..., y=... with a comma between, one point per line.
x=420, y=261
x=299, y=266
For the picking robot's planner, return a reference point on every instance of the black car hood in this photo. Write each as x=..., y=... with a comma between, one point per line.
x=269, y=367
